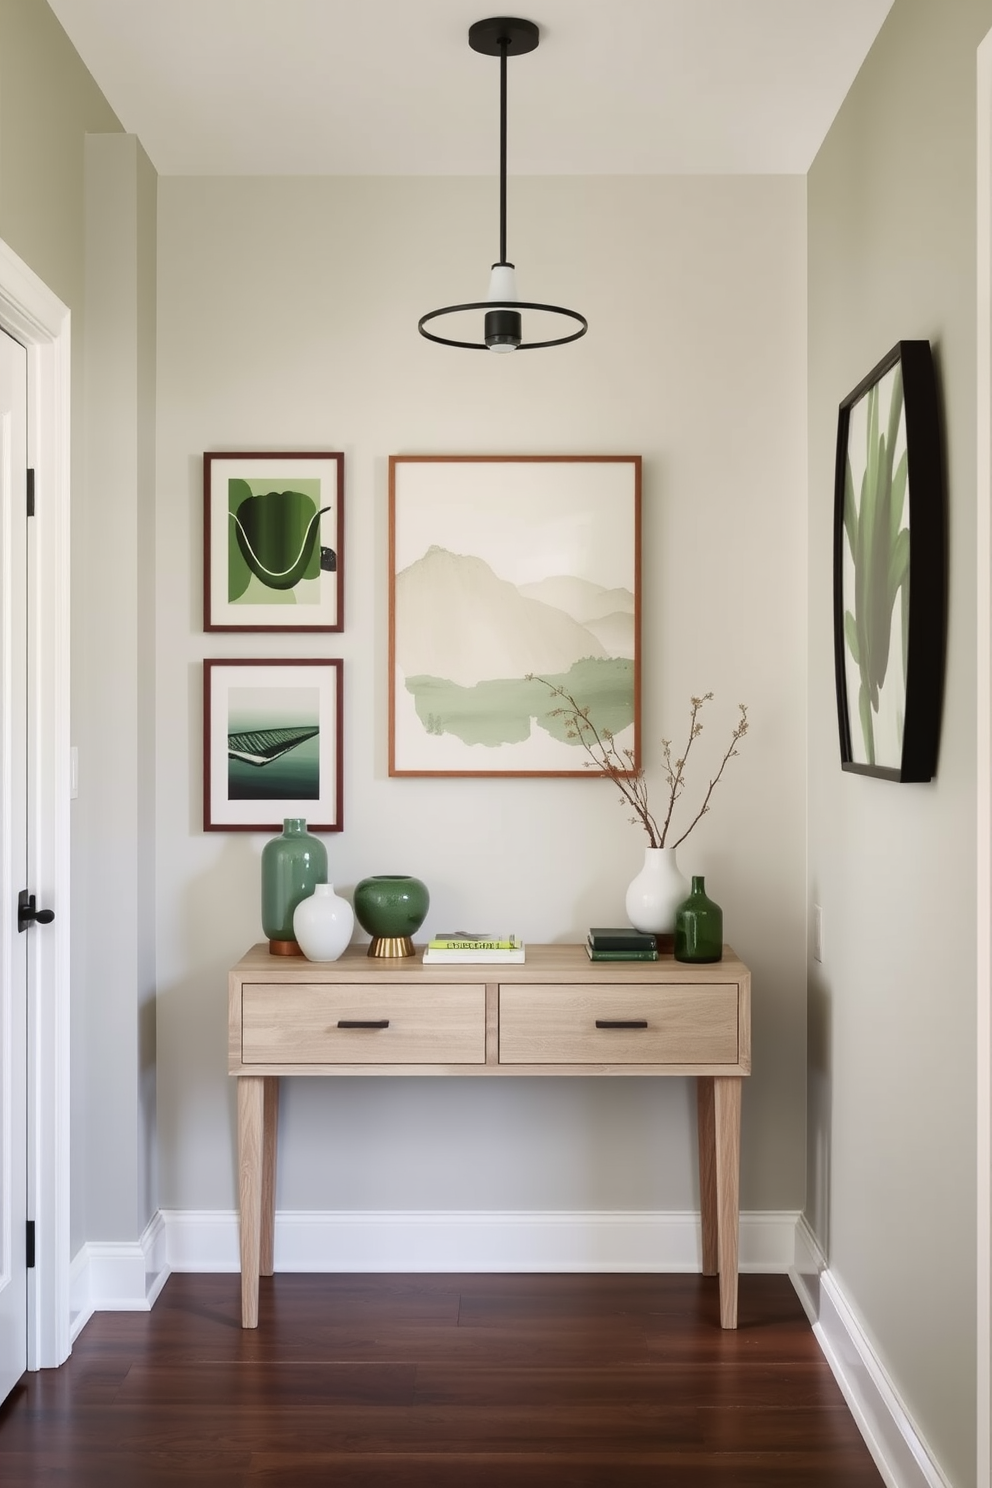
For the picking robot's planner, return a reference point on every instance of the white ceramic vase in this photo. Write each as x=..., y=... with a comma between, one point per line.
x=323, y=923
x=656, y=893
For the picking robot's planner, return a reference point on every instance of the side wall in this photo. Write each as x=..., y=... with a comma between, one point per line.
x=287, y=319
x=114, y=581
x=77, y=202
x=892, y=1117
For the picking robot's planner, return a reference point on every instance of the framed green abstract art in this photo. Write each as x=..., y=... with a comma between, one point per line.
x=272, y=734
x=890, y=569
x=509, y=572
x=273, y=527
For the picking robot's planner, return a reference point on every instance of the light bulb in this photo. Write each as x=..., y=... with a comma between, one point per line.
x=503, y=328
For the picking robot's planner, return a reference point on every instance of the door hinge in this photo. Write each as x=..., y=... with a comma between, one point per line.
x=30, y=492
x=30, y=1245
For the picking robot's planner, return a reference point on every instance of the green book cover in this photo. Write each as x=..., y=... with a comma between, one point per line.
x=621, y=940
x=597, y=955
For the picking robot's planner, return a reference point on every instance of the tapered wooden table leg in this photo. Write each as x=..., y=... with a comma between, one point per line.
x=251, y=1106
x=727, y=1121
x=706, y=1134
x=270, y=1123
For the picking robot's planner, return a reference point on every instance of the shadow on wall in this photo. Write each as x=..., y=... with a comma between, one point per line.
x=819, y=1009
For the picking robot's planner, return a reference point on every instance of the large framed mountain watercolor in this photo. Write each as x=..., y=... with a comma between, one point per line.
x=889, y=569
x=507, y=569
x=272, y=733
x=273, y=527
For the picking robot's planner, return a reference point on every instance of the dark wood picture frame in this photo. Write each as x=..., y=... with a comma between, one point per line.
x=489, y=557
x=254, y=742
x=302, y=526
x=890, y=583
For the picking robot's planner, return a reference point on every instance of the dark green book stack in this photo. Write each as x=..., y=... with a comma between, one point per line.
x=621, y=945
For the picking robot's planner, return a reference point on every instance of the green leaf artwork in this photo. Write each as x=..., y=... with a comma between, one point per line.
x=878, y=545
x=273, y=538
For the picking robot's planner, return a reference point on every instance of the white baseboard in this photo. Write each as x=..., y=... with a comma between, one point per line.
x=381, y=1240
x=118, y=1277
x=899, y=1451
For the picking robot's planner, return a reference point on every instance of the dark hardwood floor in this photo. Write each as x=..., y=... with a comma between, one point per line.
x=448, y=1381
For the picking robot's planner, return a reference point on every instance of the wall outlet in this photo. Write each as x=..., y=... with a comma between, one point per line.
x=817, y=933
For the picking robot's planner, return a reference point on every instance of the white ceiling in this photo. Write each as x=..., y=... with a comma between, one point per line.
x=391, y=87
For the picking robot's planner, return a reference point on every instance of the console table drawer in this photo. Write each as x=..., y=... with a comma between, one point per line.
x=673, y=1024
x=293, y=1023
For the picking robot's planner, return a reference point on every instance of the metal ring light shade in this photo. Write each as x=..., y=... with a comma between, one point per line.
x=502, y=37
x=491, y=306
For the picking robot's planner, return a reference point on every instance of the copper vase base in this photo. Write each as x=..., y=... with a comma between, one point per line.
x=284, y=948
x=390, y=945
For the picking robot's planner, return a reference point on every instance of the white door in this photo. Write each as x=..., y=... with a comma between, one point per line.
x=13, y=862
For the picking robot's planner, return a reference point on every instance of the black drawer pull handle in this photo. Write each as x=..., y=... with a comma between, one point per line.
x=363, y=1022
x=621, y=1022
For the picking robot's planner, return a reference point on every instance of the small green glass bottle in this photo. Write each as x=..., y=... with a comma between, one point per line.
x=698, y=926
x=292, y=866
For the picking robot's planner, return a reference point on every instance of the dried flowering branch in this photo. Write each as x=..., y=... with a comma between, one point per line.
x=619, y=767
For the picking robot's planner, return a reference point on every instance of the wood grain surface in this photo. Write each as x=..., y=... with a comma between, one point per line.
x=437, y=1381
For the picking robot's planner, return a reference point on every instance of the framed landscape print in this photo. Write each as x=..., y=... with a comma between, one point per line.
x=271, y=745
x=508, y=573
x=889, y=569
x=273, y=532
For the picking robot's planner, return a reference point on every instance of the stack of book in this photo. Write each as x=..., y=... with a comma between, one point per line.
x=468, y=947
x=621, y=945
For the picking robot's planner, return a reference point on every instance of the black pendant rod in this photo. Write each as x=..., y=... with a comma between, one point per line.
x=502, y=37
x=503, y=44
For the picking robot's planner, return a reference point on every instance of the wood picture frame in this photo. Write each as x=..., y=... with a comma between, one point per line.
x=890, y=584
x=273, y=541
x=505, y=570
x=272, y=744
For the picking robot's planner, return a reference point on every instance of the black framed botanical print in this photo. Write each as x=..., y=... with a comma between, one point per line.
x=890, y=569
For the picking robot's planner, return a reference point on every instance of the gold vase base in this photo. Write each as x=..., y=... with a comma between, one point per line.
x=390, y=945
x=284, y=948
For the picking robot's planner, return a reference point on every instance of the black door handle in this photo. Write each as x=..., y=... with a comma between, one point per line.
x=621, y=1022
x=28, y=915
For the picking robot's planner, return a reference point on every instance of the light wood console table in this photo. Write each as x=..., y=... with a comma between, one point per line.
x=558, y=1014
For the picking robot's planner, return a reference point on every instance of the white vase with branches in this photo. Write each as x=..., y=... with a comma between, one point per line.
x=656, y=893
x=660, y=887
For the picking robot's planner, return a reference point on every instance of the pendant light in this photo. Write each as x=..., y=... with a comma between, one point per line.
x=502, y=37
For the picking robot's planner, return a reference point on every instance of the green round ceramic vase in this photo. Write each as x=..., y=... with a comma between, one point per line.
x=698, y=926
x=292, y=867
x=391, y=907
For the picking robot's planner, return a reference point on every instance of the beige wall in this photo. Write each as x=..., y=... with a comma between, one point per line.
x=48, y=103
x=77, y=202
x=287, y=319
x=113, y=720
x=892, y=1116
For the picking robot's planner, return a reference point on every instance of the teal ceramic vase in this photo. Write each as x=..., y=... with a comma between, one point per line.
x=698, y=926
x=292, y=867
x=391, y=907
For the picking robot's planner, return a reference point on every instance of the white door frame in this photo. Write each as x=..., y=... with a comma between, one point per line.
x=38, y=319
x=984, y=760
